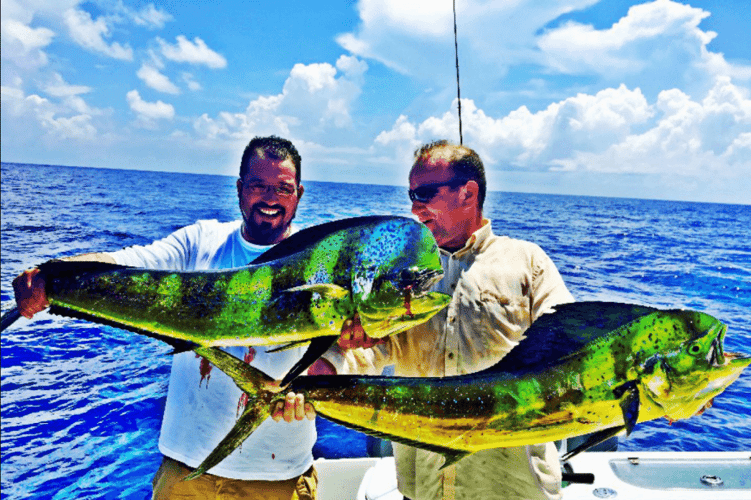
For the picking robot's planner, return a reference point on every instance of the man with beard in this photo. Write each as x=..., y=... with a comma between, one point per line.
x=276, y=462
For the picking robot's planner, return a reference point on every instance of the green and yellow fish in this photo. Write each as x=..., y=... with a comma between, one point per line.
x=590, y=367
x=301, y=290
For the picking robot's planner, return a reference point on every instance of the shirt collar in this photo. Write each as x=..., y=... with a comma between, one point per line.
x=475, y=242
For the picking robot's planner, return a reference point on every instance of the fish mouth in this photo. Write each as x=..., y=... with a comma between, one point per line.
x=716, y=355
x=382, y=322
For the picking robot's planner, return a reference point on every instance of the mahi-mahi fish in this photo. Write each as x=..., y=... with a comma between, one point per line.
x=589, y=367
x=301, y=290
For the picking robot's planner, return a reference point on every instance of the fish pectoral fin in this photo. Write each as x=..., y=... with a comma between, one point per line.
x=594, y=439
x=628, y=394
x=248, y=422
x=324, y=289
x=452, y=457
x=317, y=347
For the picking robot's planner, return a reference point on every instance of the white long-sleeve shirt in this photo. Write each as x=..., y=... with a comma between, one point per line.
x=203, y=403
x=499, y=286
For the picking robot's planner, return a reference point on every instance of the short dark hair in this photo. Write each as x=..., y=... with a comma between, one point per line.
x=465, y=163
x=273, y=146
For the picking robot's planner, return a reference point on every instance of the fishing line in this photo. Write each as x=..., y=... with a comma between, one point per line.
x=458, y=88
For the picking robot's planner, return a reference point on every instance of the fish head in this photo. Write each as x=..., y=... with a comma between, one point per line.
x=396, y=268
x=683, y=381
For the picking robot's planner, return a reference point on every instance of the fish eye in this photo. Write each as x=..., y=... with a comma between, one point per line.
x=694, y=349
x=409, y=274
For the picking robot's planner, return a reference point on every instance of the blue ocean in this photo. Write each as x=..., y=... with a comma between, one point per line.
x=82, y=403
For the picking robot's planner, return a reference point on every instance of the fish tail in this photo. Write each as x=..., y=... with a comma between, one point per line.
x=9, y=317
x=261, y=391
x=246, y=424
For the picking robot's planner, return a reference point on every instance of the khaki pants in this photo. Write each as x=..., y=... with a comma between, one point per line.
x=168, y=484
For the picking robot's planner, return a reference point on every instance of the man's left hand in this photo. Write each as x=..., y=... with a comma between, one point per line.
x=294, y=407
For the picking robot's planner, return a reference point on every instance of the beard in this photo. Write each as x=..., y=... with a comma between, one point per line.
x=263, y=231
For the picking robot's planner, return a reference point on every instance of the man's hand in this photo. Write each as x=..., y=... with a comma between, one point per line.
x=30, y=294
x=293, y=407
x=354, y=336
x=321, y=367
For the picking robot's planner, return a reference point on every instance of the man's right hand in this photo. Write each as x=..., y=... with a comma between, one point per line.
x=353, y=336
x=30, y=293
x=31, y=296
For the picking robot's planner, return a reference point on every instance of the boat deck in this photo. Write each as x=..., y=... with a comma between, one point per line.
x=621, y=475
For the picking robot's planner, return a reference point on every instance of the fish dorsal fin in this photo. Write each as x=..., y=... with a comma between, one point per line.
x=314, y=234
x=62, y=269
x=567, y=330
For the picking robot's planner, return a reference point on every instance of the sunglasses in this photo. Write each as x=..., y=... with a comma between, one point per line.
x=259, y=188
x=425, y=193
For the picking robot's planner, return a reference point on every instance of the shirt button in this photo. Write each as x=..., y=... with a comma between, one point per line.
x=451, y=355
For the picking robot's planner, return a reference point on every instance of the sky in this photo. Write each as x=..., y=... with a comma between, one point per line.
x=584, y=97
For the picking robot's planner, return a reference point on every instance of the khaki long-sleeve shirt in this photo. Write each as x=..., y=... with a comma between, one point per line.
x=499, y=286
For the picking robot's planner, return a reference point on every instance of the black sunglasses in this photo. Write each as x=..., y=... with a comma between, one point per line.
x=423, y=194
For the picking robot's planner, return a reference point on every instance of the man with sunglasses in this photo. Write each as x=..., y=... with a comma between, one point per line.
x=499, y=287
x=202, y=403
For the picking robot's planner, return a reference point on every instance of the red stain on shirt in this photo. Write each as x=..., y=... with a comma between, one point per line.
x=205, y=369
x=243, y=402
x=250, y=355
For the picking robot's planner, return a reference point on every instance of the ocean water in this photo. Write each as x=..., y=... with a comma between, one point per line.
x=82, y=403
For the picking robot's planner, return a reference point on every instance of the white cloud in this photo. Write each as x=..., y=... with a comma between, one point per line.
x=60, y=88
x=153, y=59
x=23, y=44
x=190, y=81
x=196, y=52
x=90, y=34
x=657, y=45
x=11, y=94
x=156, y=80
x=149, y=112
x=615, y=131
x=69, y=119
x=30, y=38
x=694, y=138
x=579, y=49
x=419, y=40
x=151, y=17
x=316, y=99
